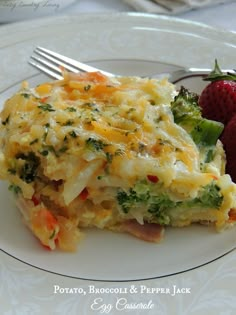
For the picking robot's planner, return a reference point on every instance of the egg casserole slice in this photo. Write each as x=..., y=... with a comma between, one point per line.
x=126, y=154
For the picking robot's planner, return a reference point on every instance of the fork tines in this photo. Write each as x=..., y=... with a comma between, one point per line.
x=53, y=63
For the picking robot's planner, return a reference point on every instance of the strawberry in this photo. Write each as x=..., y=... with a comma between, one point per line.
x=218, y=99
x=229, y=141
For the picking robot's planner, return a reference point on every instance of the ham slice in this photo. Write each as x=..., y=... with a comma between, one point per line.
x=150, y=232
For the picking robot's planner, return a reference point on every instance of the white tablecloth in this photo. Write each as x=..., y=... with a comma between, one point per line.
x=219, y=16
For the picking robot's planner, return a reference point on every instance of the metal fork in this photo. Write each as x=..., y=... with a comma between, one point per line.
x=52, y=63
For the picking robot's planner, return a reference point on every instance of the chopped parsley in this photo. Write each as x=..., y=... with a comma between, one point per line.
x=50, y=149
x=12, y=171
x=44, y=152
x=95, y=144
x=99, y=177
x=26, y=95
x=46, y=107
x=71, y=109
x=87, y=87
x=119, y=152
x=109, y=157
x=28, y=170
x=73, y=134
x=62, y=150
x=6, y=121
x=69, y=122
x=34, y=141
x=15, y=189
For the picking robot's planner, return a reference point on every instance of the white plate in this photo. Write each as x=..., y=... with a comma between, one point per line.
x=126, y=44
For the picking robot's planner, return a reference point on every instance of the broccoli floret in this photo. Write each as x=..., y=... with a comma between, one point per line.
x=127, y=199
x=158, y=205
x=209, y=197
x=140, y=194
x=206, y=132
x=132, y=198
x=185, y=107
x=187, y=114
